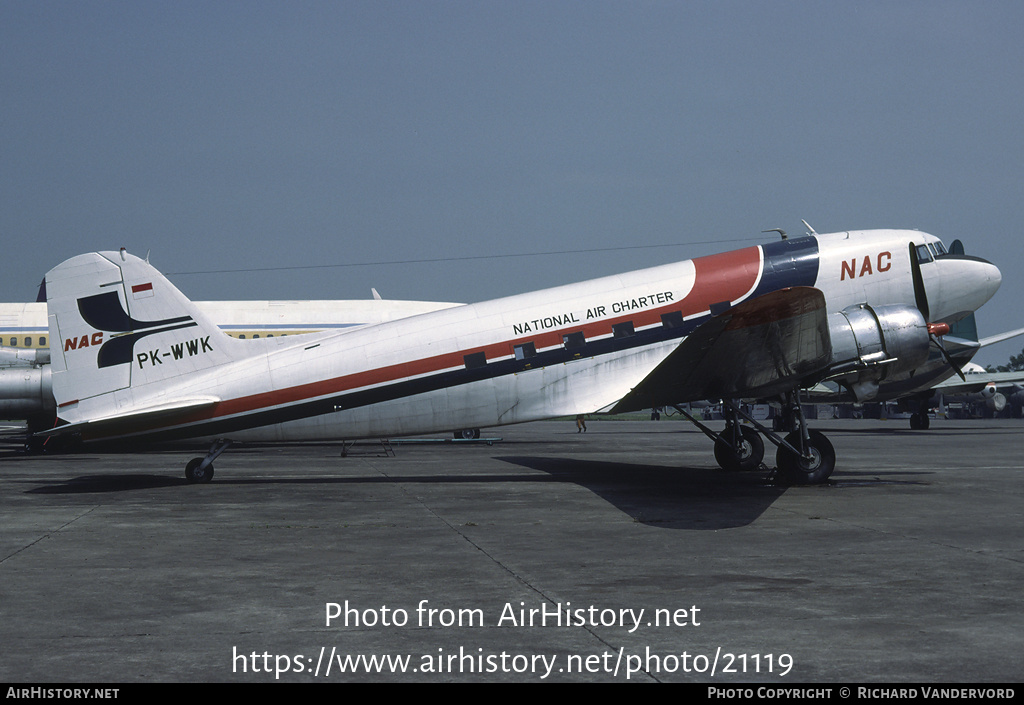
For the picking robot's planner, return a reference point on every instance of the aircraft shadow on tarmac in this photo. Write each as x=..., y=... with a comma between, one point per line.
x=936, y=431
x=677, y=498
x=85, y=484
x=117, y=482
x=704, y=498
x=669, y=497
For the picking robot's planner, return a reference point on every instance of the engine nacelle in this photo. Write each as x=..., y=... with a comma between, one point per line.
x=24, y=357
x=26, y=392
x=1016, y=402
x=871, y=343
x=996, y=403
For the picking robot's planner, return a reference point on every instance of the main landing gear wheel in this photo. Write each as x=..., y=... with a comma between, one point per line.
x=812, y=470
x=920, y=421
x=194, y=474
x=467, y=434
x=746, y=456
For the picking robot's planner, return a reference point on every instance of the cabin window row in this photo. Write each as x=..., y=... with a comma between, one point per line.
x=26, y=341
x=573, y=341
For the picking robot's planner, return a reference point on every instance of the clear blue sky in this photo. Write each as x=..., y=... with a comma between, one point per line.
x=248, y=135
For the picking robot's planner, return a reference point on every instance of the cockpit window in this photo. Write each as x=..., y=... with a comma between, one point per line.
x=923, y=255
x=941, y=248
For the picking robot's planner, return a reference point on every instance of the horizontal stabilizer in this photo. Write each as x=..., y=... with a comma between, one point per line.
x=961, y=342
x=760, y=348
x=135, y=421
x=965, y=332
x=1000, y=337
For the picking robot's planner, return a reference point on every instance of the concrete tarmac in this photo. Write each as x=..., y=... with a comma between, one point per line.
x=619, y=554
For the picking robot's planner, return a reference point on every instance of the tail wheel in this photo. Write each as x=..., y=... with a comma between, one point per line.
x=193, y=474
x=811, y=470
x=747, y=456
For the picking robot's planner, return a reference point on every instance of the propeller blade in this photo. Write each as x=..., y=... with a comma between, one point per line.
x=942, y=349
x=920, y=295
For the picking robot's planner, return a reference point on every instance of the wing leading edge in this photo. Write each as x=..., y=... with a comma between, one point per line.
x=759, y=348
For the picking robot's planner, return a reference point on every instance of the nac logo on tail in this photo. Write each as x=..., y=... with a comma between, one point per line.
x=104, y=312
x=882, y=263
x=82, y=342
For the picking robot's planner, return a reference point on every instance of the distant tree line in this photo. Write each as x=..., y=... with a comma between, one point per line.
x=1016, y=364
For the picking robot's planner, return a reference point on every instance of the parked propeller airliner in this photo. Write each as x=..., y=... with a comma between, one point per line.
x=134, y=360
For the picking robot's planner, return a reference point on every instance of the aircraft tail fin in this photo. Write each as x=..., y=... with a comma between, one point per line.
x=122, y=335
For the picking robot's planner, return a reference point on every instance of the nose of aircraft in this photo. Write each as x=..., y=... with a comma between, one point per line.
x=987, y=278
x=967, y=282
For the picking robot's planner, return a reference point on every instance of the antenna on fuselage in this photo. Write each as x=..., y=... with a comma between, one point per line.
x=780, y=231
x=808, y=226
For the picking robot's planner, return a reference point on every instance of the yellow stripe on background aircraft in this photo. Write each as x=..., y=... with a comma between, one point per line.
x=866, y=309
x=25, y=326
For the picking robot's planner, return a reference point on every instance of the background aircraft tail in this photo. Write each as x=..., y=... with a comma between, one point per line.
x=121, y=335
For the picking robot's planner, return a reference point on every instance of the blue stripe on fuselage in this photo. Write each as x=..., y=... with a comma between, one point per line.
x=788, y=263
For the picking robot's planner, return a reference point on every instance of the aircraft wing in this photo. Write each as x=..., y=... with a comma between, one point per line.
x=976, y=381
x=760, y=348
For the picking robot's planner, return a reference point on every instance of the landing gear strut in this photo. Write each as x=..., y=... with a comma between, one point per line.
x=812, y=465
x=804, y=457
x=201, y=469
x=919, y=420
x=738, y=447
